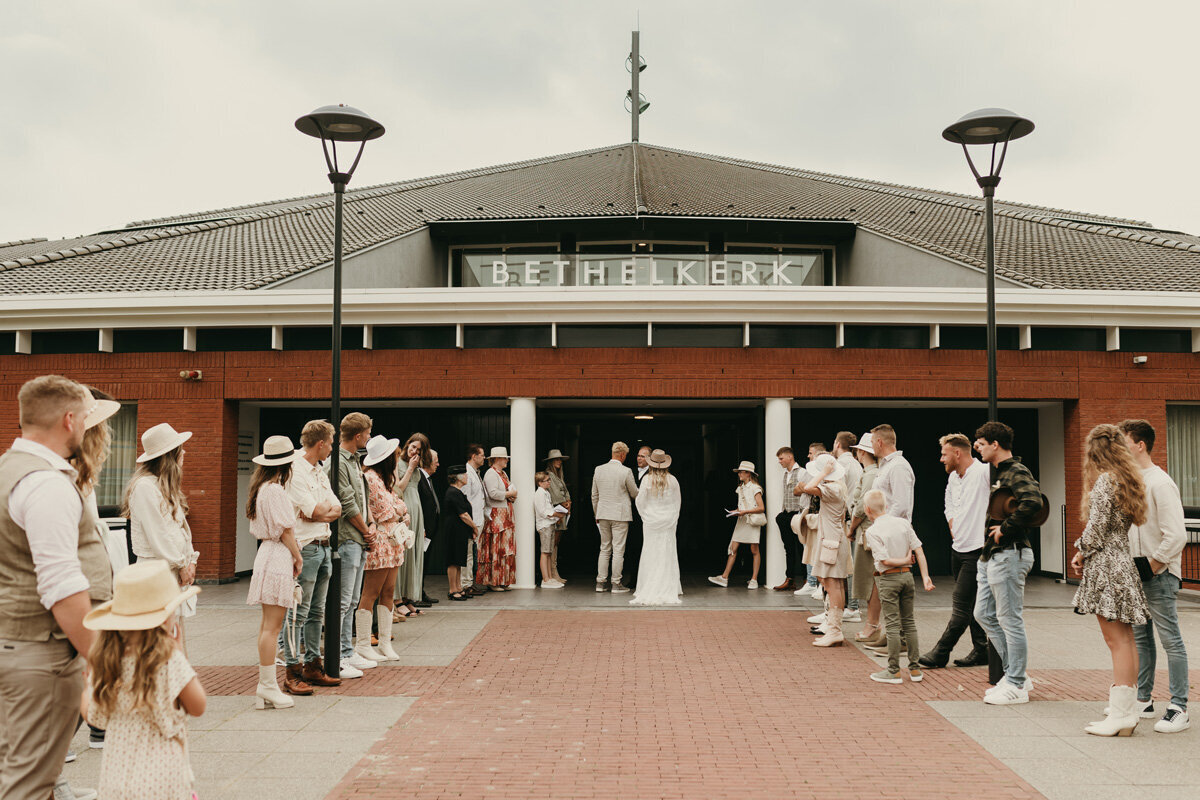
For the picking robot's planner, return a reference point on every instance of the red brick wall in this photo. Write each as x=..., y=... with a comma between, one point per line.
x=1097, y=387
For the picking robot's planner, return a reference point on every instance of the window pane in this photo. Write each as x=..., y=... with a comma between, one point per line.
x=118, y=468
x=1183, y=451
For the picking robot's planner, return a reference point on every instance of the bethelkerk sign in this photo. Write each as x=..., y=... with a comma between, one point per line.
x=653, y=272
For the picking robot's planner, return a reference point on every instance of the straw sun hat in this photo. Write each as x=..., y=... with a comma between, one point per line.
x=819, y=463
x=99, y=410
x=498, y=452
x=276, y=450
x=160, y=440
x=746, y=466
x=865, y=444
x=145, y=595
x=658, y=459
x=379, y=448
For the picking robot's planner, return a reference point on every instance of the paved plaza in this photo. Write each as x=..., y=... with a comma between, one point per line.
x=573, y=694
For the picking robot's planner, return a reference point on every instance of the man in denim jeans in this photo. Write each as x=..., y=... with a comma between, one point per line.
x=1161, y=541
x=352, y=529
x=1004, y=564
x=316, y=506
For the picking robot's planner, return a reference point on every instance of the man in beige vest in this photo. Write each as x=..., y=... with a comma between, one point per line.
x=55, y=568
x=613, y=487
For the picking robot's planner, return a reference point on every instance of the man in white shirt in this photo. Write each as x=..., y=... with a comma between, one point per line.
x=316, y=506
x=794, y=502
x=474, y=492
x=968, y=486
x=896, y=478
x=1161, y=541
x=56, y=567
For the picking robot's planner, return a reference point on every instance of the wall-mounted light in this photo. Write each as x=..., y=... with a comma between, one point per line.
x=1139, y=360
x=191, y=374
x=643, y=416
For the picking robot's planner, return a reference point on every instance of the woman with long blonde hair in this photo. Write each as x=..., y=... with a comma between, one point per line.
x=1110, y=587
x=658, y=503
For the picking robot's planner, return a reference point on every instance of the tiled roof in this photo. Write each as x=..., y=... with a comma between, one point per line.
x=249, y=247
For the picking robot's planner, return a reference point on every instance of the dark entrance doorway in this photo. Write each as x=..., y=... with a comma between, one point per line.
x=705, y=444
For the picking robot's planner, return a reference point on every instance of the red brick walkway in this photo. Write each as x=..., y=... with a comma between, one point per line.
x=625, y=706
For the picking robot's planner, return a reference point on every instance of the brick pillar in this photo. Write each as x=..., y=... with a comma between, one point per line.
x=1083, y=415
x=209, y=474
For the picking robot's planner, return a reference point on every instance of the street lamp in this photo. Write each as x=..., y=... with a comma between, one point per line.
x=989, y=126
x=333, y=124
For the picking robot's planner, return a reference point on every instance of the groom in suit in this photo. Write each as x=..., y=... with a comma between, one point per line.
x=613, y=487
x=431, y=512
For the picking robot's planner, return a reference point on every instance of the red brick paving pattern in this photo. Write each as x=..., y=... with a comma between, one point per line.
x=1049, y=684
x=378, y=682
x=553, y=704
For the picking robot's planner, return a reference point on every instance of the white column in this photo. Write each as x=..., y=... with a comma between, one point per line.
x=778, y=433
x=523, y=463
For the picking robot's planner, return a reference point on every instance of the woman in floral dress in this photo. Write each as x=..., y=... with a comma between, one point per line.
x=1110, y=586
x=497, y=566
x=387, y=539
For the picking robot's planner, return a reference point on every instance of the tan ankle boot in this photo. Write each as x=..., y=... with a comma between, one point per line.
x=1122, y=713
x=268, y=695
x=833, y=620
x=362, y=642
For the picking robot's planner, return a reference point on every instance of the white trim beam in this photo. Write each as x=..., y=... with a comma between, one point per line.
x=839, y=336
x=1025, y=337
x=24, y=344
x=1112, y=338
x=935, y=336
x=105, y=343
x=276, y=337
x=189, y=339
x=368, y=337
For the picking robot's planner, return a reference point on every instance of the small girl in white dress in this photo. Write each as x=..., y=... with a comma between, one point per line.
x=751, y=516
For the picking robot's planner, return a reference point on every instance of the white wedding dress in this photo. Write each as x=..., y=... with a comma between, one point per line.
x=658, y=570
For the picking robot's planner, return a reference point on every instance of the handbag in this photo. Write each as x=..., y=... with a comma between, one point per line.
x=829, y=552
x=758, y=520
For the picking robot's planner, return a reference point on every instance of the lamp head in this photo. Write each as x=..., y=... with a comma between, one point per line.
x=340, y=123
x=988, y=126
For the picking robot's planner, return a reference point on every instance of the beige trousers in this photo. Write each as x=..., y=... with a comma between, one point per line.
x=612, y=546
x=40, y=685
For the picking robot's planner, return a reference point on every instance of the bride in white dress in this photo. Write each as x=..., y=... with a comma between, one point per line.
x=658, y=503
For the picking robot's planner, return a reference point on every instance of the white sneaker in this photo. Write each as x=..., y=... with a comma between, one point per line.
x=817, y=619
x=1174, y=721
x=851, y=615
x=348, y=670
x=818, y=593
x=752, y=585
x=1006, y=694
x=358, y=662
x=719, y=580
x=63, y=791
x=801, y=592
x=552, y=584
x=1028, y=687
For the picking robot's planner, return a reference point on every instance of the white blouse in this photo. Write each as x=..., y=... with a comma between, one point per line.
x=154, y=533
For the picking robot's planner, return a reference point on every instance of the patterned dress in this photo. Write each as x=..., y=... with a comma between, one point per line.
x=1110, y=586
x=146, y=750
x=273, y=579
x=386, y=510
x=496, y=564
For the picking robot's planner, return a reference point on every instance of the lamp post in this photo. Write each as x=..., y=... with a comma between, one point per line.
x=333, y=124
x=994, y=126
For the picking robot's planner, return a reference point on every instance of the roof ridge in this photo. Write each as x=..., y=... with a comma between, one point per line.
x=401, y=185
x=915, y=194
x=17, y=242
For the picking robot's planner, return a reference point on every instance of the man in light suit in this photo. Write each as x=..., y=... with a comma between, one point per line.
x=613, y=488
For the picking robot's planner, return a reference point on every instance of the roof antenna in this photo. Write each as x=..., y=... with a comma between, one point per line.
x=635, y=101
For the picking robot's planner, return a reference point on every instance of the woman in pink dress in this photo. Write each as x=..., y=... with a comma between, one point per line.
x=272, y=520
x=497, y=566
x=387, y=537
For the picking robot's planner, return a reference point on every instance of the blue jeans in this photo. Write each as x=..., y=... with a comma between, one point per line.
x=1160, y=596
x=352, y=559
x=314, y=583
x=809, y=576
x=999, y=603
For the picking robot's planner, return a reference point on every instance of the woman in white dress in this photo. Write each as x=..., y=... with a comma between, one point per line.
x=831, y=556
x=751, y=516
x=658, y=503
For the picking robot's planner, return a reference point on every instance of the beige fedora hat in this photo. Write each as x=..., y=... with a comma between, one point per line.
x=379, y=448
x=819, y=463
x=498, y=452
x=556, y=453
x=145, y=595
x=658, y=459
x=746, y=466
x=865, y=444
x=99, y=410
x=276, y=450
x=160, y=440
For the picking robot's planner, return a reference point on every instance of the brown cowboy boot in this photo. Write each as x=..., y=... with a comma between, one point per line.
x=293, y=681
x=314, y=673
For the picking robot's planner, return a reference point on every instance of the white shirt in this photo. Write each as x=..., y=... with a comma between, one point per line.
x=46, y=505
x=896, y=480
x=641, y=473
x=1163, y=537
x=308, y=488
x=854, y=471
x=474, y=492
x=890, y=537
x=543, y=509
x=152, y=532
x=966, y=505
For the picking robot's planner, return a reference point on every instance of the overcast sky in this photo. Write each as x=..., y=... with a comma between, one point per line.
x=123, y=110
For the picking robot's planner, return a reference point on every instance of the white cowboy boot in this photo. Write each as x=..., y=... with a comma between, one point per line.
x=384, y=617
x=834, y=637
x=268, y=694
x=1122, y=713
x=362, y=642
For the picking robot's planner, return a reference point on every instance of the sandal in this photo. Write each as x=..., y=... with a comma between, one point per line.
x=497, y=588
x=456, y=596
x=863, y=635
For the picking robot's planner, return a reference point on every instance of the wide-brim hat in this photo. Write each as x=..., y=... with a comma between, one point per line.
x=379, y=448
x=160, y=440
x=658, y=459
x=498, y=452
x=866, y=444
x=746, y=466
x=817, y=465
x=556, y=453
x=276, y=450
x=99, y=410
x=145, y=595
